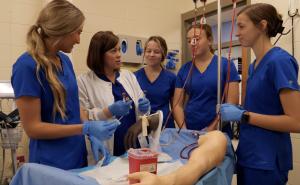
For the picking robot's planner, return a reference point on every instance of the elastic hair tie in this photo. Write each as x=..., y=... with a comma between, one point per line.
x=37, y=26
x=278, y=28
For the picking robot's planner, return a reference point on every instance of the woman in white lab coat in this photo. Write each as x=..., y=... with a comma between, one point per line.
x=101, y=89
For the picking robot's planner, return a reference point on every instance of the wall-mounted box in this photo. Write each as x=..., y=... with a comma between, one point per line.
x=129, y=55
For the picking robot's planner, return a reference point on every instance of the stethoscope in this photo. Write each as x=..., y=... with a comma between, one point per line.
x=291, y=16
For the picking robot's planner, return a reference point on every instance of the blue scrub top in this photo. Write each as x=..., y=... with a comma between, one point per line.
x=260, y=148
x=203, y=100
x=159, y=92
x=126, y=122
x=65, y=153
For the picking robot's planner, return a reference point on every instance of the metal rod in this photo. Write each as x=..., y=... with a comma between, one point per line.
x=219, y=126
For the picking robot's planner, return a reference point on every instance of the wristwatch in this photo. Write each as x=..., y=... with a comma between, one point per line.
x=245, y=116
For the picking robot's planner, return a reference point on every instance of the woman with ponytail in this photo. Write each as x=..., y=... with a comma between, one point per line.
x=46, y=91
x=272, y=102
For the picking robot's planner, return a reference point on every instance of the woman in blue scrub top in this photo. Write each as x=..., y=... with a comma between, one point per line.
x=101, y=89
x=156, y=80
x=272, y=101
x=202, y=106
x=47, y=93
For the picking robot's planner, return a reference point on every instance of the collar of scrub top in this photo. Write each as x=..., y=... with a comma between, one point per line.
x=104, y=78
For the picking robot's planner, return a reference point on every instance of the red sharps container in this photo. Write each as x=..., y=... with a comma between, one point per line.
x=142, y=160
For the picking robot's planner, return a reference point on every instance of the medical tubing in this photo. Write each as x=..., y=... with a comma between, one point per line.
x=193, y=62
x=217, y=116
x=190, y=89
x=189, y=151
x=194, y=57
x=230, y=45
x=288, y=30
x=226, y=88
x=290, y=16
x=191, y=69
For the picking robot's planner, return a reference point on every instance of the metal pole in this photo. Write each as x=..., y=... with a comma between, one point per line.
x=219, y=126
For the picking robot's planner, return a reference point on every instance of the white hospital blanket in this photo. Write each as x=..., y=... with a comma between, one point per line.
x=120, y=167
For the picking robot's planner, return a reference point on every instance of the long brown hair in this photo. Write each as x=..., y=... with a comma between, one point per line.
x=101, y=42
x=261, y=11
x=209, y=34
x=162, y=45
x=58, y=19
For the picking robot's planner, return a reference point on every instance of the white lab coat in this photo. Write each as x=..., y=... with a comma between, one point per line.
x=96, y=94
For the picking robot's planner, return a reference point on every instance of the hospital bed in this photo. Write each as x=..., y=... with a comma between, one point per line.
x=36, y=174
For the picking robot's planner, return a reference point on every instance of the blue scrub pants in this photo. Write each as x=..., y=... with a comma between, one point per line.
x=250, y=176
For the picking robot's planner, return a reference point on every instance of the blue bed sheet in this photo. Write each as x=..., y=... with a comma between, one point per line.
x=36, y=174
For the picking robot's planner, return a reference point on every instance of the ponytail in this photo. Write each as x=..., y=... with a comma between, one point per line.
x=57, y=19
x=36, y=49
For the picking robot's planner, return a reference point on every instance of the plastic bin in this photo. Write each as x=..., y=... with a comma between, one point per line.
x=141, y=160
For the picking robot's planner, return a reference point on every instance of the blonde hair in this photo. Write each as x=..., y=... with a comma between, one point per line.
x=162, y=45
x=58, y=19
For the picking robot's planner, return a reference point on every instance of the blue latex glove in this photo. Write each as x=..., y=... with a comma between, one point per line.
x=102, y=130
x=120, y=108
x=96, y=146
x=171, y=64
x=144, y=105
x=139, y=50
x=230, y=112
x=124, y=47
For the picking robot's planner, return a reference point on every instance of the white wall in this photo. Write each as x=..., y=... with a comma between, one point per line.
x=142, y=18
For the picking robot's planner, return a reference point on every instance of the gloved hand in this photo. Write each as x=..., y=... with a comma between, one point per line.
x=133, y=132
x=96, y=146
x=102, y=130
x=120, y=108
x=144, y=105
x=230, y=112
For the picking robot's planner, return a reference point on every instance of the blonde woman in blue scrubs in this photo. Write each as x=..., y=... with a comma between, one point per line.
x=156, y=80
x=46, y=91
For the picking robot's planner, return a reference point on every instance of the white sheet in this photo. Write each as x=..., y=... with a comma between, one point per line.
x=120, y=167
